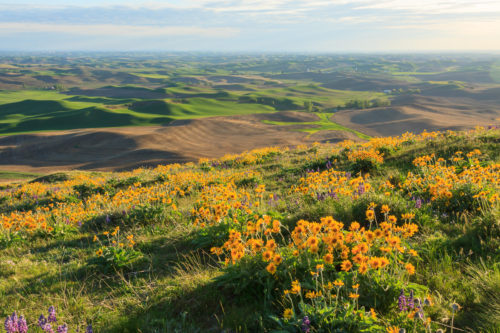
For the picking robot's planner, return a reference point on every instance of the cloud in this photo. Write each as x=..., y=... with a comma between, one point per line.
x=112, y=29
x=435, y=7
x=254, y=24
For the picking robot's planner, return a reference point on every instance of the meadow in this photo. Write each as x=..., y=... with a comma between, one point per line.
x=389, y=235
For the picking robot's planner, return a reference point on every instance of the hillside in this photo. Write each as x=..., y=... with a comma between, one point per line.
x=183, y=141
x=392, y=233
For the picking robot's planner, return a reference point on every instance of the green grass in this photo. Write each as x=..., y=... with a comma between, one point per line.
x=202, y=107
x=33, y=111
x=152, y=75
x=327, y=98
x=495, y=72
x=6, y=175
x=325, y=124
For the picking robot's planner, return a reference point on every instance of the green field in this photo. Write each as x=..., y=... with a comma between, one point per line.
x=26, y=111
x=495, y=72
x=38, y=110
x=325, y=124
x=8, y=175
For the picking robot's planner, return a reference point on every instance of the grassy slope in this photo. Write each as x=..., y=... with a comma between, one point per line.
x=328, y=98
x=39, y=110
x=12, y=175
x=325, y=124
x=173, y=288
x=28, y=111
x=495, y=71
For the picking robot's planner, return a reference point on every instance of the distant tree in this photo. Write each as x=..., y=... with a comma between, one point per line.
x=378, y=102
x=308, y=106
x=357, y=104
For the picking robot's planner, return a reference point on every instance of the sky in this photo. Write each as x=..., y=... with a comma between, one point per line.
x=250, y=25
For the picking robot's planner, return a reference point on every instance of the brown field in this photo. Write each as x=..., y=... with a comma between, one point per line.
x=417, y=113
x=129, y=147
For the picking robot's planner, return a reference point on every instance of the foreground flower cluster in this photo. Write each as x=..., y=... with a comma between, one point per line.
x=325, y=262
x=18, y=324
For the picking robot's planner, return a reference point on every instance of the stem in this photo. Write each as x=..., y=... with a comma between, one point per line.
x=337, y=299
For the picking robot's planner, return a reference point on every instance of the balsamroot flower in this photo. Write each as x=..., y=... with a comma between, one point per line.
x=346, y=265
x=271, y=268
x=288, y=313
x=410, y=268
x=328, y=258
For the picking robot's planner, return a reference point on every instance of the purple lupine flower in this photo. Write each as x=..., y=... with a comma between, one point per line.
x=52, y=315
x=22, y=325
x=348, y=175
x=89, y=329
x=418, y=203
x=42, y=321
x=48, y=328
x=306, y=324
x=361, y=189
x=320, y=196
x=410, y=300
x=62, y=329
x=402, y=301
x=108, y=219
x=11, y=324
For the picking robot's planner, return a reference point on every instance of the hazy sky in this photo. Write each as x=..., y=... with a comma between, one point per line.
x=251, y=25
